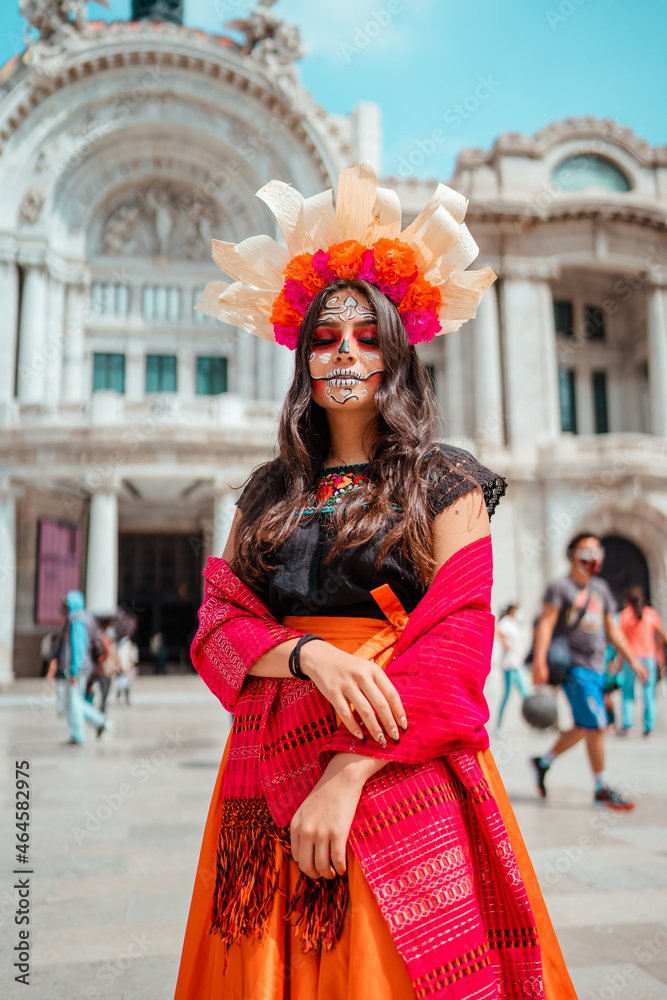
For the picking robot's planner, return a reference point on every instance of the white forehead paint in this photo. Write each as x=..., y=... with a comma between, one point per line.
x=346, y=309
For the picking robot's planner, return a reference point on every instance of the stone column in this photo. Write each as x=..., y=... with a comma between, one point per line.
x=583, y=393
x=9, y=297
x=245, y=365
x=102, y=559
x=454, y=403
x=186, y=375
x=224, y=509
x=657, y=359
x=531, y=364
x=135, y=370
x=265, y=361
x=75, y=374
x=32, y=335
x=283, y=371
x=7, y=580
x=55, y=342
x=487, y=372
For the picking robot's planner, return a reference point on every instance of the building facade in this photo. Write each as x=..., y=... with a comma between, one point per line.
x=128, y=421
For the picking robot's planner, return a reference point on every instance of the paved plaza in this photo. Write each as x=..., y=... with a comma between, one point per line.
x=117, y=825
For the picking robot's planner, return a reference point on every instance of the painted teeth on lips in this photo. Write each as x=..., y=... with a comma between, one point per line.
x=345, y=373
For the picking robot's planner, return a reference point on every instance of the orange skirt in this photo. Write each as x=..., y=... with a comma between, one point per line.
x=364, y=964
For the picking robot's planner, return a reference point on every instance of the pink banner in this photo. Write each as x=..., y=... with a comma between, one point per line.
x=58, y=569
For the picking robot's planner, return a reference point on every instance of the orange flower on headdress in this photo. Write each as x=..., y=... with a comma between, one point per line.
x=283, y=314
x=421, y=296
x=300, y=268
x=346, y=258
x=393, y=260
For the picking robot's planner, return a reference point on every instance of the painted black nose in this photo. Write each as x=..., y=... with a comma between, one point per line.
x=345, y=346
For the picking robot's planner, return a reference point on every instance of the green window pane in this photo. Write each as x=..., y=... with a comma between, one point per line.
x=160, y=373
x=600, y=402
x=563, y=318
x=568, y=404
x=594, y=322
x=579, y=172
x=211, y=376
x=109, y=372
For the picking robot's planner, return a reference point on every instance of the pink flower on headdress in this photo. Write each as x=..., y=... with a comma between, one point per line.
x=367, y=270
x=420, y=326
x=322, y=268
x=286, y=335
x=297, y=295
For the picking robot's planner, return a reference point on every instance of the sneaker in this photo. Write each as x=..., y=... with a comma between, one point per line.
x=540, y=772
x=628, y=732
x=648, y=734
x=107, y=727
x=72, y=743
x=609, y=799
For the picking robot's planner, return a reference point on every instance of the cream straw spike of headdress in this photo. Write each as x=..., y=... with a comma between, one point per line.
x=422, y=269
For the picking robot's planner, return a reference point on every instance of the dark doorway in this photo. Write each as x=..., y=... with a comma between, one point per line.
x=624, y=566
x=159, y=580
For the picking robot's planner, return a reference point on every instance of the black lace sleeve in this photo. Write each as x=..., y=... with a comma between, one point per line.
x=452, y=472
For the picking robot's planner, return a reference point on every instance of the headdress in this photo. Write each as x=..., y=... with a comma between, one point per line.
x=421, y=270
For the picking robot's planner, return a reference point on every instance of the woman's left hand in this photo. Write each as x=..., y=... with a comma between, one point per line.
x=321, y=825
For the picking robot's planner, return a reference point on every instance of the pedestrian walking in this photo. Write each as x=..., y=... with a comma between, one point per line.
x=159, y=651
x=359, y=841
x=75, y=658
x=576, y=623
x=641, y=625
x=508, y=633
x=106, y=668
x=48, y=649
x=128, y=658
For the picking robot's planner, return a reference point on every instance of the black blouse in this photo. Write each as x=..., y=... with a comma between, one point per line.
x=303, y=583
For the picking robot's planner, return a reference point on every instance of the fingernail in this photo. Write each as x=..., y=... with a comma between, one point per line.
x=404, y=722
x=359, y=734
x=381, y=740
x=394, y=733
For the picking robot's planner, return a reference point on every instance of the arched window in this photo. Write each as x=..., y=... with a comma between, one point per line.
x=578, y=172
x=624, y=566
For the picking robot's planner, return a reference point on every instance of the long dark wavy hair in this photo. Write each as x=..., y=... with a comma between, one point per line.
x=279, y=492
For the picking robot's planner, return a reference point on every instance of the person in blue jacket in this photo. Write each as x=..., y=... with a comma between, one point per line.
x=74, y=658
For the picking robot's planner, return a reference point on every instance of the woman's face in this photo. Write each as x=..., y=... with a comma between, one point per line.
x=345, y=362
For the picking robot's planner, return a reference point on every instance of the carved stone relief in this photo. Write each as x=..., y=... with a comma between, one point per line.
x=161, y=219
x=31, y=206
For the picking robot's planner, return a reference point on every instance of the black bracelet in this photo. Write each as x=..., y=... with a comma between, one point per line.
x=295, y=658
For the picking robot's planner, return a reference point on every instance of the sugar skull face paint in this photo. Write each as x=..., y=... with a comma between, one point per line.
x=345, y=363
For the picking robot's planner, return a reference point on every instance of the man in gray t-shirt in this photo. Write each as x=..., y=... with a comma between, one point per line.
x=582, y=611
x=579, y=610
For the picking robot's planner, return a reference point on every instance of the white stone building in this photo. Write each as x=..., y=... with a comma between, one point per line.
x=127, y=419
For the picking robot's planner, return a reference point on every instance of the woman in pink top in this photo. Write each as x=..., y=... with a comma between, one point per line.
x=640, y=623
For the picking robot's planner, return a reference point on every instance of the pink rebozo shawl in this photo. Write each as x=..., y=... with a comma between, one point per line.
x=427, y=833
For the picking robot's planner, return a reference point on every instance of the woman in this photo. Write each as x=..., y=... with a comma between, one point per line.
x=508, y=632
x=640, y=624
x=357, y=840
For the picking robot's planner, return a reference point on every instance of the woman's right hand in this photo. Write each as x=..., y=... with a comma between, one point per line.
x=345, y=679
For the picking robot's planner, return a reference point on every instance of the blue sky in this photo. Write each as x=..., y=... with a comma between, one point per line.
x=455, y=73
